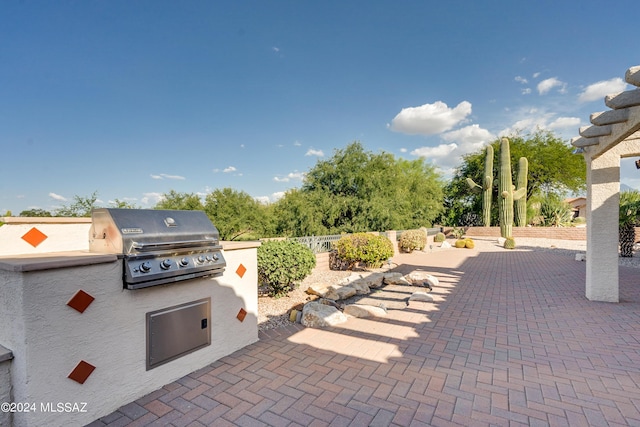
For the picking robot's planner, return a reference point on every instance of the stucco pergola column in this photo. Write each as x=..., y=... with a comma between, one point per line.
x=603, y=201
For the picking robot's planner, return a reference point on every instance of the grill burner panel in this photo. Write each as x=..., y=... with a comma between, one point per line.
x=144, y=270
x=157, y=246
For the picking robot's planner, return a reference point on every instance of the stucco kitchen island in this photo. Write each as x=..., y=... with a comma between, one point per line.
x=76, y=343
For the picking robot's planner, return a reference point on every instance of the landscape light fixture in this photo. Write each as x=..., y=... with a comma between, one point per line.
x=637, y=164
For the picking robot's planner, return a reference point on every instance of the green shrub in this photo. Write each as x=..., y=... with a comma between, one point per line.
x=283, y=263
x=461, y=243
x=469, y=243
x=370, y=249
x=440, y=237
x=510, y=243
x=411, y=240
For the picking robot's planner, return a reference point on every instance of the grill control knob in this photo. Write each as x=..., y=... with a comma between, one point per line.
x=166, y=264
x=184, y=262
x=216, y=257
x=201, y=259
x=145, y=267
x=209, y=258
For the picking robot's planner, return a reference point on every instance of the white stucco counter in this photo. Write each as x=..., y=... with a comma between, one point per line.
x=50, y=261
x=74, y=339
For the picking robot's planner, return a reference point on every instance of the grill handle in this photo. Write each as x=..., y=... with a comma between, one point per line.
x=171, y=245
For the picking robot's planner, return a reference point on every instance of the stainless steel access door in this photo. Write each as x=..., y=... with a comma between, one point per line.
x=176, y=331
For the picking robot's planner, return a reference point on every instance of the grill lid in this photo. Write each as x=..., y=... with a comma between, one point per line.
x=158, y=246
x=132, y=231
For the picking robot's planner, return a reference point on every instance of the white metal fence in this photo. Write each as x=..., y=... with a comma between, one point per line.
x=320, y=244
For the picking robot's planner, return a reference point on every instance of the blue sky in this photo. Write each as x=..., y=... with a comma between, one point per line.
x=133, y=99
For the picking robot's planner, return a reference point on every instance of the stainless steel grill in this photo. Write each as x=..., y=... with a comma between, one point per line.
x=158, y=246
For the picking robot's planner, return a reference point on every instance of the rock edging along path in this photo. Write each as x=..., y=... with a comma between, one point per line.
x=363, y=295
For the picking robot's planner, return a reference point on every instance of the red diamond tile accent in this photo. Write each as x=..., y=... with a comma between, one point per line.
x=241, y=270
x=81, y=372
x=34, y=237
x=80, y=301
x=242, y=314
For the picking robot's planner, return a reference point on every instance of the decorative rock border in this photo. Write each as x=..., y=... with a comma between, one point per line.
x=327, y=311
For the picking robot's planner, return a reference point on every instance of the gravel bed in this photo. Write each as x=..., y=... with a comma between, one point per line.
x=274, y=312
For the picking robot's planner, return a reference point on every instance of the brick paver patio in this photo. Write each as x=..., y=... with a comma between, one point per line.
x=510, y=341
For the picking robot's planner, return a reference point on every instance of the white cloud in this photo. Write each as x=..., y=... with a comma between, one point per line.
x=565, y=122
x=442, y=150
x=312, y=152
x=528, y=120
x=462, y=141
x=526, y=91
x=167, y=176
x=297, y=176
x=55, y=196
x=150, y=199
x=598, y=90
x=297, y=143
x=429, y=119
x=469, y=138
x=525, y=125
x=403, y=150
x=522, y=80
x=546, y=85
x=274, y=197
x=277, y=195
x=229, y=169
x=536, y=75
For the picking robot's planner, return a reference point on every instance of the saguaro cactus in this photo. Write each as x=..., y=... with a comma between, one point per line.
x=521, y=203
x=487, y=187
x=506, y=190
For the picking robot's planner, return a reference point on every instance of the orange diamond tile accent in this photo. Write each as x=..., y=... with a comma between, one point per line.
x=34, y=237
x=81, y=372
x=241, y=314
x=80, y=301
x=241, y=270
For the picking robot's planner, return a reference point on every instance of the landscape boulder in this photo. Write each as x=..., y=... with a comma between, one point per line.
x=363, y=311
x=339, y=292
x=421, y=278
x=371, y=280
x=318, y=290
x=421, y=296
x=361, y=287
x=316, y=315
x=395, y=279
